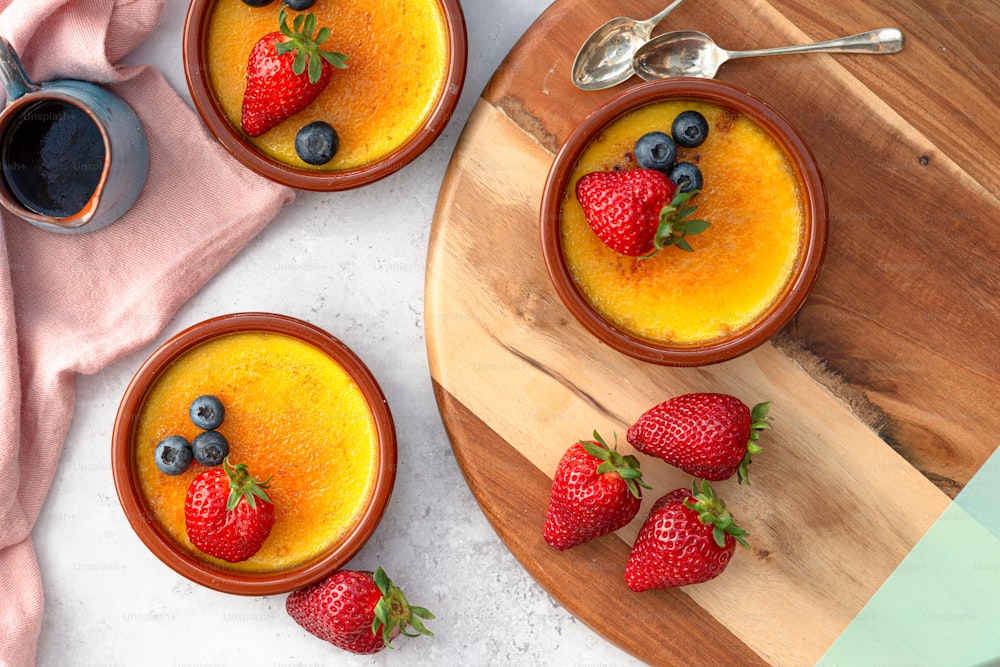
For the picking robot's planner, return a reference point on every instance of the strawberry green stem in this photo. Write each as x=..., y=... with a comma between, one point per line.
x=759, y=421
x=243, y=485
x=627, y=466
x=306, y=46
x=393, y=610
x=712, y=512
x=675, y=225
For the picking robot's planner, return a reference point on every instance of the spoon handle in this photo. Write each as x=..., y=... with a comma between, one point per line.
x=654, y=21
x=884, y=40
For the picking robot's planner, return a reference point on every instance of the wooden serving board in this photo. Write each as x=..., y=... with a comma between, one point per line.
x=882, y=387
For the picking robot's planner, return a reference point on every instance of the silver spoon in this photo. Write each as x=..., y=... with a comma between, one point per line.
x=691, y=53
x=605, y=59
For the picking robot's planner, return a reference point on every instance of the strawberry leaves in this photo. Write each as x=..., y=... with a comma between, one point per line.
x=759, y=421
x=674, y=225
x=626, y=466
x=712, y=512
x=308, y=54
x=243, y=485
x=392, y=611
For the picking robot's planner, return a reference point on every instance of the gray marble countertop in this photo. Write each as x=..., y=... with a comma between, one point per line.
x=352, y=263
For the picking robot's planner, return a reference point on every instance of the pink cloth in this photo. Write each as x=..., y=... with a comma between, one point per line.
x=74, y=304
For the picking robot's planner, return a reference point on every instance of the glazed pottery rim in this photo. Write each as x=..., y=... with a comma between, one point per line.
x=201, y=571
x=195, y=29
x=803, y=276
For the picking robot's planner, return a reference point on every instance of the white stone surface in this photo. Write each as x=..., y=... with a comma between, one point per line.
x=352, y=263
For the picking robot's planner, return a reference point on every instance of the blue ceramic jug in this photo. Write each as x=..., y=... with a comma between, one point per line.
x=74, y=155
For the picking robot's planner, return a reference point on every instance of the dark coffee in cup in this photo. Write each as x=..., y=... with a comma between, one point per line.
x=73, y=154
x=52, y=155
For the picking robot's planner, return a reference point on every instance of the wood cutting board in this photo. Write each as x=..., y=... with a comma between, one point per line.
x=883, y=387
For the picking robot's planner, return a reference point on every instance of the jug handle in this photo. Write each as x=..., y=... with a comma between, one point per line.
x=12, y=75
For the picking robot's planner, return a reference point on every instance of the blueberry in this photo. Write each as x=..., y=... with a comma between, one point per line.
x=317, y=143
x=207, y=412
x=689, y=129
x=210, y=448
x=257, y=3
x=299, y=5
x=686, y=176
x=173, y=455
x=655, y=150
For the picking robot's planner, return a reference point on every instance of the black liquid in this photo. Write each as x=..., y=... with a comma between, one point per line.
x=52, y=158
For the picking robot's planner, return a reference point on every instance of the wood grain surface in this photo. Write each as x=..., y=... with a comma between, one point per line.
x=883, y=386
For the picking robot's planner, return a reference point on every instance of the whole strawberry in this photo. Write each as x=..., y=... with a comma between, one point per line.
x=637, y=212
x=360, y=612
x=595, y=491
x=286, y=71
x=710, y=436
x=228, y=513
x=688, y=538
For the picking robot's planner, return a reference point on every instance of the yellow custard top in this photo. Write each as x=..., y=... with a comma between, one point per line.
x=397, y=65
x=292, y=413
x=741, y=264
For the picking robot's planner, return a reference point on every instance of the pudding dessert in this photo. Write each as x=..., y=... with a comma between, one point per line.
x=292, y=414
x=397, y=64
x=739, y=267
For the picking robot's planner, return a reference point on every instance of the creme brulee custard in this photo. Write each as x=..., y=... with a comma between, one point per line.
x=397, y=64
x=740, y=265
x=292, y=414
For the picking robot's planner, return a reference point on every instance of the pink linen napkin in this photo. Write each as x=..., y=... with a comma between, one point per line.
x=74, y=304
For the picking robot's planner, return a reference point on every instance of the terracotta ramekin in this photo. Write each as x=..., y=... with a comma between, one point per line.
x=803, y=275
x=195, y=30
x=143, y=521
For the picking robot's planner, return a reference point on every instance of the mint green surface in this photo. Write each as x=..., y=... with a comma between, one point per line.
x=941, y=606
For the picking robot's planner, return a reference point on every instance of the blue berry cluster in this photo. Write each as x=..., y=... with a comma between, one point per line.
x=174, y=453
x=658, y=150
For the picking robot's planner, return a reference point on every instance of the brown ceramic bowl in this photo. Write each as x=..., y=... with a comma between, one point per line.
x=232, y=138
x=144, y=521
x=803, y=274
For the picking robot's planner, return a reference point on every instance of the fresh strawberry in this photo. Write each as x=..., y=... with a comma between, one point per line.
x=637, y=212
x=360, y=612
x=688, y=538
x=595, y=491
x=286, y=71
x=710, y=436
x=227, y=512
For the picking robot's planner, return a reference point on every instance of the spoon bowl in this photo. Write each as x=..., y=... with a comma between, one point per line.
x=605, y=59
x=694, y=54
